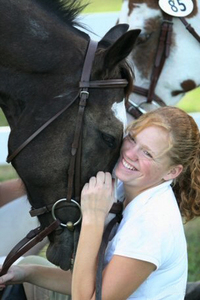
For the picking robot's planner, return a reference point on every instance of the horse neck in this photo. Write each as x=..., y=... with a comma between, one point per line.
x=42, y=74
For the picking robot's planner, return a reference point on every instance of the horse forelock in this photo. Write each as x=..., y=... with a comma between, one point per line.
x=66, y=10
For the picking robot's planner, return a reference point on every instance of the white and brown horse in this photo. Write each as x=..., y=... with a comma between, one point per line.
x=166, y=51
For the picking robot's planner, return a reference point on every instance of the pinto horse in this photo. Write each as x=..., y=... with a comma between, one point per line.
x=165, y=58
x=42, y=53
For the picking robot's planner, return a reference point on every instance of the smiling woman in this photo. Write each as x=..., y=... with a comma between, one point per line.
x=159, y=154
x=144, y=161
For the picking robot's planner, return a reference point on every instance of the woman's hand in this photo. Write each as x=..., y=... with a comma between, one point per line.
x=15, y=275
x=97, y=196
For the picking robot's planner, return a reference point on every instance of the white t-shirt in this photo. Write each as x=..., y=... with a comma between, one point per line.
x=152, y=230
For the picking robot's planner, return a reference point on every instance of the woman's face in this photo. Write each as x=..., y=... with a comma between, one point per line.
x=144, y=161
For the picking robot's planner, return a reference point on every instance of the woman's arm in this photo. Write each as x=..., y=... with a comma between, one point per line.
x=51, y=278
x=96, y=201
x=11, y=190
x=85, y=267
x=123, y=275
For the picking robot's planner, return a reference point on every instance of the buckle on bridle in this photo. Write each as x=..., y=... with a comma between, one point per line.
x=84, y=92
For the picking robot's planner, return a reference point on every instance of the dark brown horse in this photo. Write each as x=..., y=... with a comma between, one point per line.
x=41, y=60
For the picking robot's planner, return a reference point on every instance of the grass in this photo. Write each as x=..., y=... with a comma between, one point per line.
x=192, y=231
x=190, y=103
x=102, y=6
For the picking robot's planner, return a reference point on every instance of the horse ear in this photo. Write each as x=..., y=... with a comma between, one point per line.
x=113, y=34
x=120, y=49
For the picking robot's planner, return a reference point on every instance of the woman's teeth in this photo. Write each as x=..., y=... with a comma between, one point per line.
x=126, y=165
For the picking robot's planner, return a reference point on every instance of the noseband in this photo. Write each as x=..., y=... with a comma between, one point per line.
x=162, y=54
x=38, y=234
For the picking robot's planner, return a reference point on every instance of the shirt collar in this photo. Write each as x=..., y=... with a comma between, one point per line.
x=144, y=197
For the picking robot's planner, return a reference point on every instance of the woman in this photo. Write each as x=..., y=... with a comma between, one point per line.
x=147, y=257
x=11, y=190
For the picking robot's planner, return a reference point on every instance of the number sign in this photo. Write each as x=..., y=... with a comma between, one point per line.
x=177, y=8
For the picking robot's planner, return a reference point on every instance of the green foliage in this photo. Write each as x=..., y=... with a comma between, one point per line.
x=192, y=231
x=3, y=121
x=102, y=5
x=191, y=101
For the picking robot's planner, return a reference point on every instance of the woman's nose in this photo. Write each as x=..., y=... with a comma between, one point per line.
x=132, y=153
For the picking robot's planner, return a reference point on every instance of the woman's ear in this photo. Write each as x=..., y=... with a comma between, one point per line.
x=174, y=172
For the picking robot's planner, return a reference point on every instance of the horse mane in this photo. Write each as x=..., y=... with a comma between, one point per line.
x=66, y=10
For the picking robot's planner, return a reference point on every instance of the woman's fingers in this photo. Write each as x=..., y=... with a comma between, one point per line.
x=15, y=275
x=92, y=182
x=97, y=195
x=6, y=278
x=104, y=178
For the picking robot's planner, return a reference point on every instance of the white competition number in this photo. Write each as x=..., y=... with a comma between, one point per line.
x=177, y=8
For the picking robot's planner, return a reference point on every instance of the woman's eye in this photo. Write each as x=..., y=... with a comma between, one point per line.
x=131, y=138
x=147, y=154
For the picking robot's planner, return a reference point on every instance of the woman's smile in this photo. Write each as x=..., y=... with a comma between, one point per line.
x=127, y=165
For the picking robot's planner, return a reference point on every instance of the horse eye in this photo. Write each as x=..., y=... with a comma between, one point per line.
x=143, y=38
x=109, y=140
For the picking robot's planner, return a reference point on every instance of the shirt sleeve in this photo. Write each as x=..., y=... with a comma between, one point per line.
x=143, y=238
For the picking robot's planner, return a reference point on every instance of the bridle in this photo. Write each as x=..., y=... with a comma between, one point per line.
x=74, y=170
x=162, y=54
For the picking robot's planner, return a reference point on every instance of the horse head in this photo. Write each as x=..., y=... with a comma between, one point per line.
x=41, y=60
x=180, y=72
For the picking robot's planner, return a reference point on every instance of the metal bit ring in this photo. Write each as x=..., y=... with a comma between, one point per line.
x=68, y=225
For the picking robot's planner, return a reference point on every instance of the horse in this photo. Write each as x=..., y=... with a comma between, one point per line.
x=42, y=54
x=165, y=56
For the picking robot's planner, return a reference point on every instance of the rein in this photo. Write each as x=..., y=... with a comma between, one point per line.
x=162, y=54
x=74, y=171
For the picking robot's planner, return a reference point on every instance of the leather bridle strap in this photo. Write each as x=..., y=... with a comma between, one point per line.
x=102, y=84
x=135, y=109
x=101, y=254
x=26, y=142
x=32, y=238
x=35, y=212
x=161, y=55
x=84, y=94
x=190, y=29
